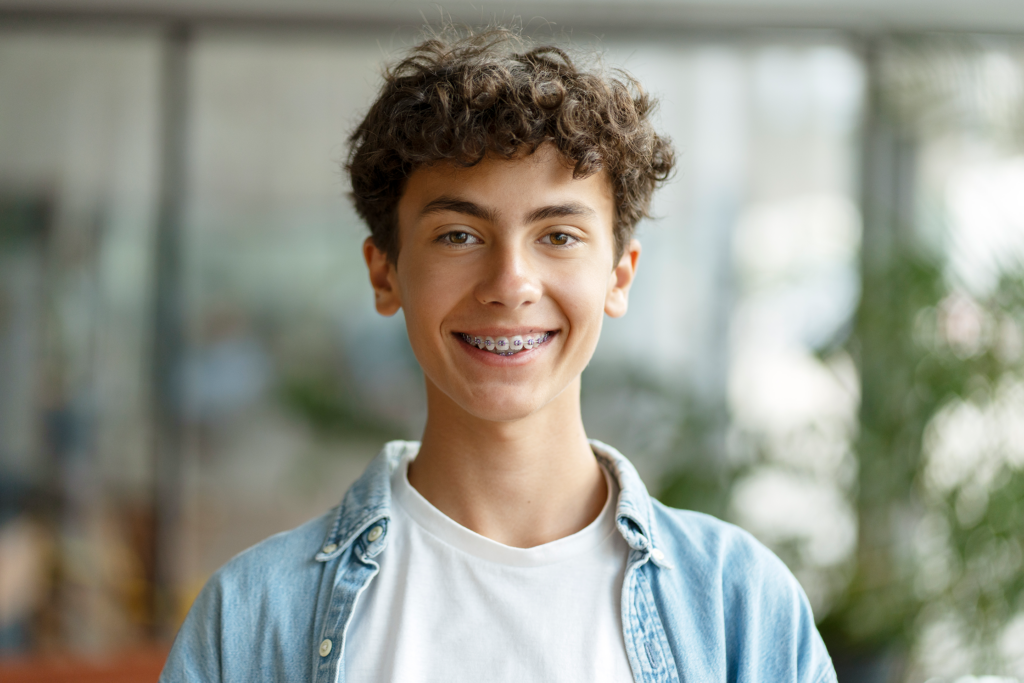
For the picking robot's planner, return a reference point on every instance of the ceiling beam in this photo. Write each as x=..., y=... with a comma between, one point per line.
x=861, y=16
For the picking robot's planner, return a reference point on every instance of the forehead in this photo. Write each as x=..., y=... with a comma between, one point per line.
x=510, y=189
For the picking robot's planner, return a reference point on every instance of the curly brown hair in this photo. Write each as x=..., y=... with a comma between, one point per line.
x=457, y=97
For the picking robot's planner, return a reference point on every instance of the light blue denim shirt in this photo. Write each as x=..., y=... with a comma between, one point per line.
x=701, y=600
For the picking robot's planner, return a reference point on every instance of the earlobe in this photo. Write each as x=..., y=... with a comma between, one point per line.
x=382, y=277
x=617, y=299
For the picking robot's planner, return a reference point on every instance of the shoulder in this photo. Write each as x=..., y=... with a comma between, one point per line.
x=283, y=556
x=262, y=598
x=719, y=550
x=271, y=580
x=727, y=576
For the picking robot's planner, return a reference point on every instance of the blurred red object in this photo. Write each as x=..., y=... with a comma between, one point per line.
x=135, y=666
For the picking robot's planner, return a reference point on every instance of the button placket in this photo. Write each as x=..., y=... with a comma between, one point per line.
x=645, y=630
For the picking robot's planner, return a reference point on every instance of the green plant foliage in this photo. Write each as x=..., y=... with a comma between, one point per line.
x=652, y=421
x=897, y=402
x=921, y=344
x=322, y=403
x=987, y=584
x=702, y=478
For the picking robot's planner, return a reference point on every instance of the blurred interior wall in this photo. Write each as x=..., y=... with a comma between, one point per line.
x=288, y=380
x=733, y=383
x=78, y=117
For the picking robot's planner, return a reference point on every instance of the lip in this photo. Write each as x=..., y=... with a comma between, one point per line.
x=504, y=331
x=493, y=359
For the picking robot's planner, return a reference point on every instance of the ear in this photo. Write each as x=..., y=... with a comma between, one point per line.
x=616, y=301
x=383, y=278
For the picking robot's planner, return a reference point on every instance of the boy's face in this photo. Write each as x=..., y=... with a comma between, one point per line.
x=504, y=249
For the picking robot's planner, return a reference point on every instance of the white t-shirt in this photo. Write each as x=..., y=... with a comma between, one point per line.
x=451, y=605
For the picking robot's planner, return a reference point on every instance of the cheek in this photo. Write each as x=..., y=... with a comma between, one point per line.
x=428, y=295
x=581, y=298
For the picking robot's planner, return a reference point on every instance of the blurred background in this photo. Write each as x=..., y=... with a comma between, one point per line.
x=824, y=344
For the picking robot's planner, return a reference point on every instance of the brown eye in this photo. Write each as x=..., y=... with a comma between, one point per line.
x=559, y=239
x=458, y=237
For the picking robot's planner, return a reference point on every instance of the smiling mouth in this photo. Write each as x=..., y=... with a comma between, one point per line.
x=507, y=346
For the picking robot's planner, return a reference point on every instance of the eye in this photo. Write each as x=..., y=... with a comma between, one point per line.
x=458, y=238
x=560, y=239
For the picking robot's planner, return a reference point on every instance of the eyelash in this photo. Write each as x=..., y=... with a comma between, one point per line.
x=572, y=239
x=446, y=239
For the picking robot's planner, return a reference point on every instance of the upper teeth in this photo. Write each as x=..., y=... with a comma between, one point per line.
x=506, y=346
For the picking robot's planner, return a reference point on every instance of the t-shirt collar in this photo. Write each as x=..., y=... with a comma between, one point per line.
x=367, y=504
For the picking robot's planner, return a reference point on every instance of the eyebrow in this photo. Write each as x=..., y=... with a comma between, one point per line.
x=560, y=211
x=468, y=208
x=456, y=205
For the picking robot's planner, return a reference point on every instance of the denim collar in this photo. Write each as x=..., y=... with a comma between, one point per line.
x=368, y=502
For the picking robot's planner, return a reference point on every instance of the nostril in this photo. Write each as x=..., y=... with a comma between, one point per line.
x=510, y=287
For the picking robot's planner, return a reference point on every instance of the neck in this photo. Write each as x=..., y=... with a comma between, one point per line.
x=522, y=483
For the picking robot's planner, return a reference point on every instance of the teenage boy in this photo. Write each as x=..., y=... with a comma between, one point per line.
x=501, y=190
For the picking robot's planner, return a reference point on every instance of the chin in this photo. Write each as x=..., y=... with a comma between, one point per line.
x=501, y=411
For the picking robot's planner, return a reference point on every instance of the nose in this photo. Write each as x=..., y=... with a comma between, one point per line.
x=510, y=280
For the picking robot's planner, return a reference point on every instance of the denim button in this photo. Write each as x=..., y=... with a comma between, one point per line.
x=374, y=534
x=330, y=548
x=657, y=555
x=325, y=647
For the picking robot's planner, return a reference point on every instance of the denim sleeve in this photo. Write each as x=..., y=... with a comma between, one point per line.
x=813, y=663
x=196, y=655
x=769, y=620
x=771, y=624
x=254, y=619
x=732, y=608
